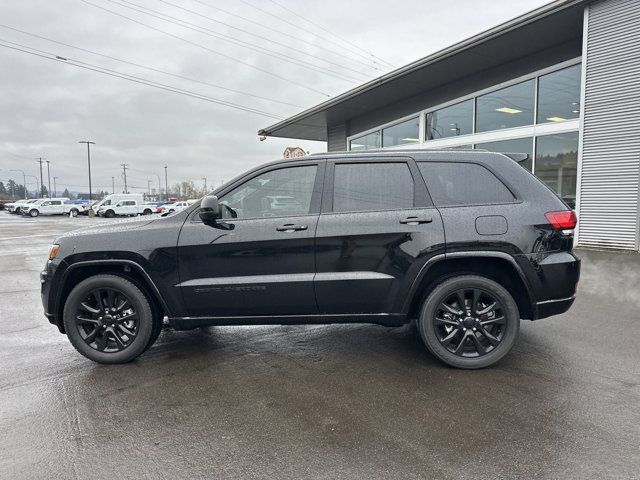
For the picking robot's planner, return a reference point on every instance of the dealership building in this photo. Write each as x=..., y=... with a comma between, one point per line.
x=561, y=83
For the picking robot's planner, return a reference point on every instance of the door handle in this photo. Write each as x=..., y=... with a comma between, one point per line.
x=416, y=220
x=291, y=227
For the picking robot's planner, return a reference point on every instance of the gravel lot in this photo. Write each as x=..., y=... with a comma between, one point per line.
x=319, y=402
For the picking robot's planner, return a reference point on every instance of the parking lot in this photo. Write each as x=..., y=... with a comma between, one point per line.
x=326, y=402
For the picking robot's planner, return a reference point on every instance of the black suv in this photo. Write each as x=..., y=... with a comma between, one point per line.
x=464, y=242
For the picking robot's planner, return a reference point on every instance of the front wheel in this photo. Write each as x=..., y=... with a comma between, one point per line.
x=34, y=213
x=108, y=319
x=469, y=322
x=110, y=214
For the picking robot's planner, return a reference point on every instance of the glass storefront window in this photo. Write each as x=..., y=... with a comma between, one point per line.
x=505, y=108
x=514, y=145
x=450, y=121
x=402, y=133
x=556, y=163
x=366, y=142
x=559, y=95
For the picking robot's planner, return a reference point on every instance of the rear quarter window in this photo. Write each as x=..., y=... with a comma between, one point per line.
x=457, y=183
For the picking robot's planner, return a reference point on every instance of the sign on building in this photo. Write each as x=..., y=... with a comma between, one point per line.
x=293, y=152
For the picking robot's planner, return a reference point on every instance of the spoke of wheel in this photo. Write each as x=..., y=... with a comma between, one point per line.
x=450, y=309
x=101, y=342
x=124, y=303
x=494, y=341
x=119, y=341
x=460, y=347
x=128, y=317
x=461, y=302
x=487, y=309
x=499, y=320
x=80, y=319
x=126, y=331
x=446, y=341
x=98, y=298
x=110, y=298
x=446, y=321
x=474, y=302
x=481, y=349
x=92, y=336
x=89, y=308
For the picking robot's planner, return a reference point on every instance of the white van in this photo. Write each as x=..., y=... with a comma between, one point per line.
x=124, y=204
x=113, y=199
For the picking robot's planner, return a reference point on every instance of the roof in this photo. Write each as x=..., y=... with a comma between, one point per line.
x=553, y=24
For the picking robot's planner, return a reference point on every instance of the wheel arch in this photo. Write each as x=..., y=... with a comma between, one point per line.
x=499, y=267
x=127, y=269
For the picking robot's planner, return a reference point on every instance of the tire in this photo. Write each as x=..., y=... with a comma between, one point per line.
x=475, y=336
x=171, y=211
x=109, y=214
x=147, y=212
x=103, y=347
x=34, y=213
x=74, y=212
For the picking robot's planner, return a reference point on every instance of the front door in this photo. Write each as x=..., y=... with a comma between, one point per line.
x=376, y=231
x=260, y=259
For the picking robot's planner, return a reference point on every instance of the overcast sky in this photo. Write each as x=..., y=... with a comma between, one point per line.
x=47, y=106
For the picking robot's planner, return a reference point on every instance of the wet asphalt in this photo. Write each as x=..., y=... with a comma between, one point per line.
x=320, y=402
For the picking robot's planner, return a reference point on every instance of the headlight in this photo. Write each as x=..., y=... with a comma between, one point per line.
x=53, y=251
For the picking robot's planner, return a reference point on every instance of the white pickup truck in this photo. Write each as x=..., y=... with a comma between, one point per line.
x=51, y=206
x=126, y=207
x=15, y=206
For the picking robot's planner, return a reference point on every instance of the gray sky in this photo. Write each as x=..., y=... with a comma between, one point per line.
x=47, y=106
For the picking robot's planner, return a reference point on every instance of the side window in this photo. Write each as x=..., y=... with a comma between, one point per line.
x=361, y=187
x=277, y=193
x=56, y=202
x=463, y=184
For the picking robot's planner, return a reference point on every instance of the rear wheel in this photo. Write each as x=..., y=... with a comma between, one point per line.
x=469, y=322
x=74, y=212
x=108, y=319
x=147, y=211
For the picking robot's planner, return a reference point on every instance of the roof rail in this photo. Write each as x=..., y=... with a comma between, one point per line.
x=517, y=157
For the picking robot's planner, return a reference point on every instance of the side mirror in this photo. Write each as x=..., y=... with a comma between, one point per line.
x=209, y=209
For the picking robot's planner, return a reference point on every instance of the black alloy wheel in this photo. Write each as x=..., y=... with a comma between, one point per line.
x=106, y=320
x=109, y=319
x=469, y=321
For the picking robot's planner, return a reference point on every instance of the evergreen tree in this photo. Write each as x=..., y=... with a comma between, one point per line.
x=66, y=193
x=3, y=191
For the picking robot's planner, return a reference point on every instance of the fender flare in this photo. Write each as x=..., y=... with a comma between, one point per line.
x=468, y=254
x=123, y=262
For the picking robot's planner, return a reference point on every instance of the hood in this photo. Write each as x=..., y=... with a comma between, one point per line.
x=109, y=228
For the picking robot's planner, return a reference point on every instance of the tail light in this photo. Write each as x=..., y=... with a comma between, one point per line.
x=566, y=220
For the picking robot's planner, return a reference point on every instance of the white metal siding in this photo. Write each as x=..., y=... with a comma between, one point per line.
x=337, y=137
x=610, y=161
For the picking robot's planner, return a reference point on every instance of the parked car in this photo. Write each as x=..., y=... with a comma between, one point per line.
x=53, y=206
x=115, y=198
x=15, y=206
x=464, y=243
x=176, y=207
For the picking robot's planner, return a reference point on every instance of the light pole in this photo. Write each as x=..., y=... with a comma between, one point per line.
x=113, y=184
x=48, y=179
x=205, y=185
x=24, y=181
x=40, y=161
x=124, y=174
x=166, y=185
x=55, y=191
x=88, y=162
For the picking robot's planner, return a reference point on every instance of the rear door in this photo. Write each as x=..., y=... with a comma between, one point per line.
x=377, y=229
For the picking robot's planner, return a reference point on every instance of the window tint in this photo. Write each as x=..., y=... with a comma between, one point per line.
x=372, y=186
x=559, y=95
x=276, y=193
x=463, y=184
x=56, y=202
x=450, y=121
x=505, y=108
x=366, y=142
x=557, y=164
x=512, y=145
x=401, y=133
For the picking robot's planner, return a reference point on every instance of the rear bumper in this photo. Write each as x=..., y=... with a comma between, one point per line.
x=549, y=308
